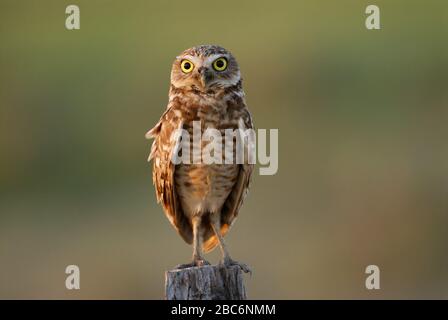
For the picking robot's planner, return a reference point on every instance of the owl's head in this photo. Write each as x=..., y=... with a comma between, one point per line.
x=204, y=68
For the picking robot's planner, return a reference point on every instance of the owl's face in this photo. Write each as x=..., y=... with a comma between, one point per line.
x=205, y=67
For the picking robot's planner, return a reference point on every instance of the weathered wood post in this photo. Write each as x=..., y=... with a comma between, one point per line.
x=205, y=283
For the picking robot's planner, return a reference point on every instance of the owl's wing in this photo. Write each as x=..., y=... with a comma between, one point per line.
x=233, y=203
x=165, y=145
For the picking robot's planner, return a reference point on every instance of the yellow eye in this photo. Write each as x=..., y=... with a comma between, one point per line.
x=220, y=64
x=186, y=66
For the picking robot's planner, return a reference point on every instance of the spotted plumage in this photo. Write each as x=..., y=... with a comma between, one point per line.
x=201, y=200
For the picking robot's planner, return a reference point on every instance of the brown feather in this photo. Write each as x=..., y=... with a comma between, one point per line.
x=232, y=205
x=162, y=150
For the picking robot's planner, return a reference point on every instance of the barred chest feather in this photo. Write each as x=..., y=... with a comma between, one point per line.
x=204, y=188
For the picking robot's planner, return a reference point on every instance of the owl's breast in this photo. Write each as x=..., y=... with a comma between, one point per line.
x=204, y=188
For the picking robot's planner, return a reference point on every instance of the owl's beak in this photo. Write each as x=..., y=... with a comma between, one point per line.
x=204, y=76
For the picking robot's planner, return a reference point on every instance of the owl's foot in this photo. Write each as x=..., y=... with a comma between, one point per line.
x=230, y=262
x=194, y=263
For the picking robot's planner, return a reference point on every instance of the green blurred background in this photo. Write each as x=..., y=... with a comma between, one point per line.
x=363, y=164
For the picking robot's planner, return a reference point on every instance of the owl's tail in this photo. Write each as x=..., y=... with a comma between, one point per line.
x=211, y=240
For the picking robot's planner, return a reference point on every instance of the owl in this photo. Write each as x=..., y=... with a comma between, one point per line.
x=201, y=200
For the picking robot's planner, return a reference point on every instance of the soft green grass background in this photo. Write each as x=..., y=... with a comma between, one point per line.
x=362, y=118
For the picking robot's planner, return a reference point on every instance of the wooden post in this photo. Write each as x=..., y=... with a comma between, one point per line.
x=205, y=283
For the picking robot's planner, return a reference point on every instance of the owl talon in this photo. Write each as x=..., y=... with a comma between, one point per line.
x=195, y=263
x=184, y=265
x=230, y=262
x=201, y=263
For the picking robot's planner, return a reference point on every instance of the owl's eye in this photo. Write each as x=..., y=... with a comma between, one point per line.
x=220, y=64
x=187, y=66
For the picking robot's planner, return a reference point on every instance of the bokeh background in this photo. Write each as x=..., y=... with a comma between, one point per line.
x=363, y=164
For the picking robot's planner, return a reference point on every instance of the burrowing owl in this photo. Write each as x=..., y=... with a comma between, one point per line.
x=201, y=200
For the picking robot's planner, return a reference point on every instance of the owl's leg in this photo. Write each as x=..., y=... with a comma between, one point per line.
x=226, y=259
x=198, y=260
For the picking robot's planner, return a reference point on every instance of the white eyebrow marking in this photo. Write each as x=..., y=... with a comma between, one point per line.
x=209, y=60
x=196, y=60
